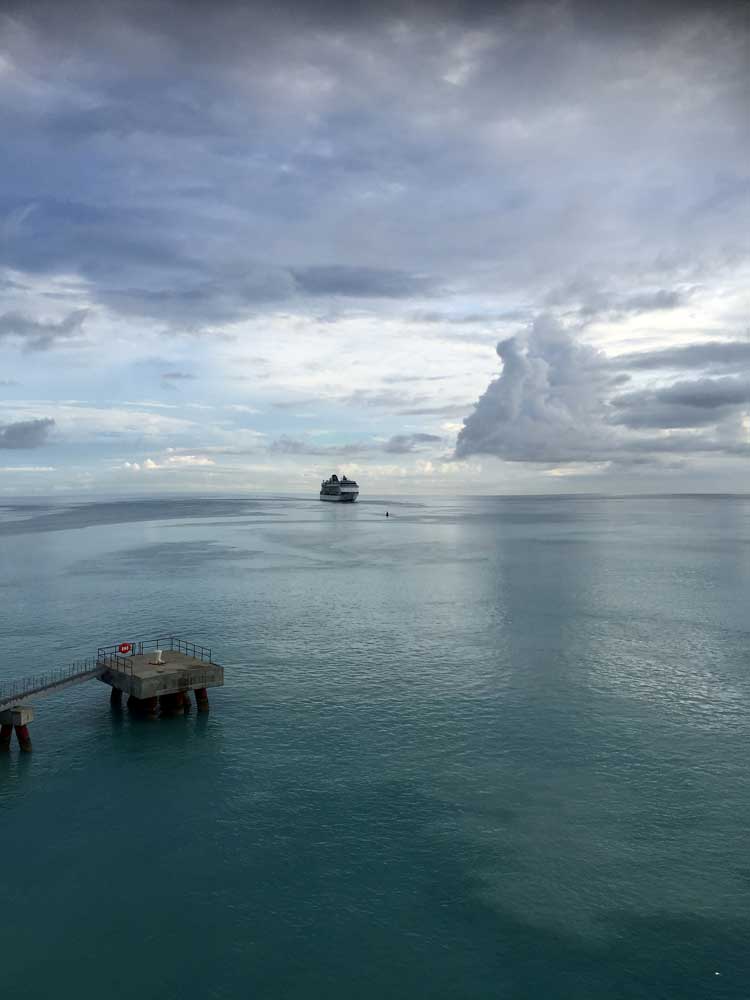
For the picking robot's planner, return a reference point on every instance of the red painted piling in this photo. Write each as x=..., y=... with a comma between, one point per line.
x=22, y=732
x=201, y=699
x=6, y=731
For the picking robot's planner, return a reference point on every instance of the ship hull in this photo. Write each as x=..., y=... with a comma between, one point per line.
x=340, y=498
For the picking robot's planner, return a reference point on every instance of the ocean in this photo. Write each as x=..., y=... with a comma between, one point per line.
x=483, y=748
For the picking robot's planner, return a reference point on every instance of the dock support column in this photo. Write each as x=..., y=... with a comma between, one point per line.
x=201, y=699
x=115, y=698
x=171, y=704
x=24, y=740
x=186, y=701
x=16, y=718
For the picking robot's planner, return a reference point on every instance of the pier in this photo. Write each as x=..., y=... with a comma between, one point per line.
x=157, y=675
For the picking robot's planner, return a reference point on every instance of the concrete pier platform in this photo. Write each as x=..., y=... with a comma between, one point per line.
x=140, y=676
x=18, y=715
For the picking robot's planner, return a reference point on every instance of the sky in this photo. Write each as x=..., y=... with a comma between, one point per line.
x=440, y=248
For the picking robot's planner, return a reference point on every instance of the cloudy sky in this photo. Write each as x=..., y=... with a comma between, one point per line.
x=439, y=247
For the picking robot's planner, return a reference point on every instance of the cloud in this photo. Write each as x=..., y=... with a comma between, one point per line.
x=399, y=444
x=683, y=404
x=592, y=299
x=211, y=175
x=26, y=433
x=173, y=461
x=402, y=444
x=365, y=194
x=241, y=408
x=286, y=445
x=360, y=282
x=396, y=379
x=27, y=468
x=36, y=335
x=178, y=377
x=710, y=354
x=555, y=402
x=437, y=410
x=546, y=406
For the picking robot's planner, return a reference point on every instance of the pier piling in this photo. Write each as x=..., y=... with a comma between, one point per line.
x=18, y=717
x=24, y=740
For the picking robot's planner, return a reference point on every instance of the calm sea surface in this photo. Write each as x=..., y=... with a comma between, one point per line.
x=482, y=748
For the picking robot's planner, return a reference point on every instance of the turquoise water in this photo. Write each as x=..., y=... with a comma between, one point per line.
x=483, y=748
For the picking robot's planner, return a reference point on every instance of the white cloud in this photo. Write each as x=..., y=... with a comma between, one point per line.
x=27, y=468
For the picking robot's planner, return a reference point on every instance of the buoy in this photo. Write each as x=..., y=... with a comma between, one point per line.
x=124, y=647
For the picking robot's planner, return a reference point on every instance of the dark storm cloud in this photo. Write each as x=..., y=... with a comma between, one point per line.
x=26, y=433
x=38, y=335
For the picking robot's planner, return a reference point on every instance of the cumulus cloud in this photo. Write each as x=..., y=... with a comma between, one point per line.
x=556, y=401
x=546, y=406
x=26, y=433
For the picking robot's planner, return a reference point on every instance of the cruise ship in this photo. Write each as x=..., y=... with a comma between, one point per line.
x=343, y=489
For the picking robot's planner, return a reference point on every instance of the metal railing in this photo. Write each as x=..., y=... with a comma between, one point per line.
x=122, y=662
x=182, y=646
x=13, y=691
x=115, y=661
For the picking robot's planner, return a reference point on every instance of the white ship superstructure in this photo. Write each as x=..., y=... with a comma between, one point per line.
x=341, y=490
